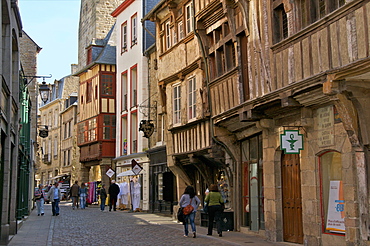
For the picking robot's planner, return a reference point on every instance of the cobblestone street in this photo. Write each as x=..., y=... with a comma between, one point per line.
x=93, y=227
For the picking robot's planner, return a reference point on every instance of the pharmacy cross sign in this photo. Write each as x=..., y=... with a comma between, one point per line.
x=291, y=142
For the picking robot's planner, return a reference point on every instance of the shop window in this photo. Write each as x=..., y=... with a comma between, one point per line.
x=252, y=184
x=332, y=192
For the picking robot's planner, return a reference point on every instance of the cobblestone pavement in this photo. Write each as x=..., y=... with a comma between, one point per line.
x=90, y=226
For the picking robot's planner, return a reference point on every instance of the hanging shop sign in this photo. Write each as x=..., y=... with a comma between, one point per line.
x=136, y=168
x=147, y=128
x=110, y=172
x=291, y=142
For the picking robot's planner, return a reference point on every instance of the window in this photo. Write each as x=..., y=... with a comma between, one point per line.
x=310, y=11
x=87, y=131
x=109, y=127
x=180, y=30
x=55, y=152
x=133, y=86
x=124, y=135
x=223, y=59
x=331, y=183
x=134, y=130
x=189, y=18
x=168, y=35
x=124, y=37
x=192, y=98
x=91, y=132
x=124, y=90
x=88, y=91
x=133, y=30
x=280, y=24
x=176, y=104
x=107, y=84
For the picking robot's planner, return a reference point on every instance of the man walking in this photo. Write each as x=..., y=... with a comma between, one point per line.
x=55, y=195
x=74, y=194
x=113, y=192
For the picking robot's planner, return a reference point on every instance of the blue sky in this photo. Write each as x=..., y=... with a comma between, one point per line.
x=53, y=25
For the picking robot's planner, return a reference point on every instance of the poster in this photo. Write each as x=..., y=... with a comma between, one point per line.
x=335, y=218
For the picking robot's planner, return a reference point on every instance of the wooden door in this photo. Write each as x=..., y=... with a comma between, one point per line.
x=292, y=199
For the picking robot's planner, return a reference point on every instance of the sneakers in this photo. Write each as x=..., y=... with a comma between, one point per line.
x=185, y=235
x=194, y=235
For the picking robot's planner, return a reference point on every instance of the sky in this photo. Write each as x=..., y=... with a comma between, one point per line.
x=52, y=25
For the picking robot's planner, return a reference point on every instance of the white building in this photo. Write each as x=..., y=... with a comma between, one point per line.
x=132, y=92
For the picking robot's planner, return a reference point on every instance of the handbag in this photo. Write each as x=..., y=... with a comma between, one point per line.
x=188, y=209
x=180, y=215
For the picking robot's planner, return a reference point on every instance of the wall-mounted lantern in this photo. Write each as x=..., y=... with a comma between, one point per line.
x=44, y=91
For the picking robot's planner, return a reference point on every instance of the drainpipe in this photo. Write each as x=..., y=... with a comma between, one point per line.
x=230, y=174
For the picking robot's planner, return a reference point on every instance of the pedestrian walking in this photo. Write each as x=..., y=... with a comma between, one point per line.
x=55, y=195
x=39, y=198
x=215, y=208
x=103, y=197
x=83, y=195
x=189, y=198
x=113, y=192
x=74, y=194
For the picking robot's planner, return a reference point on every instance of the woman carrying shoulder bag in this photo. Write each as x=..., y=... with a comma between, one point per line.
x=189, y=198
x=215, y=208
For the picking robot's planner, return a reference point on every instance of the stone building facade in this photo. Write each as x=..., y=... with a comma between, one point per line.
x=11, y=29
x=95, y=23
x=52, y=162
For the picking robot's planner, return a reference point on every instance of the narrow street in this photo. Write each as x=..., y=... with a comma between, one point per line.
x=93, y=227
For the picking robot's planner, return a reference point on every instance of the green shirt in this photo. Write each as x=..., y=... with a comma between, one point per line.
x=214, y=198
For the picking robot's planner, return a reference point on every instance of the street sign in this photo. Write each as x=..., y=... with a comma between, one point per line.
x=136, y=168
x=291, y=142
x=110, y=173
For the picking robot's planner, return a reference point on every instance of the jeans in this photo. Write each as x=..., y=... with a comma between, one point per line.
x=40, y=206
x=82, y=202
x=55, y=206
x=214, y=213
x=190, y=217
x=102, y=204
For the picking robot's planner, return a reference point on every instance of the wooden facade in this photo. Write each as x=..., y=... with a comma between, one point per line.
x=263, y=67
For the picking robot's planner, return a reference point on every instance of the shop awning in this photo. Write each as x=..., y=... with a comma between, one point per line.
x=59, y=176
x=126, y=173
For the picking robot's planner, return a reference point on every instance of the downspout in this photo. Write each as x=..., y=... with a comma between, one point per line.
x=205, y=60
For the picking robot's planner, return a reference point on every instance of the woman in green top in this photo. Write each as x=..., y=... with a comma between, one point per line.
x=215, y=208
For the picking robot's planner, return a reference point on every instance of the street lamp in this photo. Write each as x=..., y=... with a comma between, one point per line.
x=44, y=91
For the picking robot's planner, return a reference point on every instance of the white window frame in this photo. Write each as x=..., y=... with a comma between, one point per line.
x=124, y=37
x=176, y=97
x=168, y=34
x=189, y=18
x=134, y=30
x=180, y=30
x=192, y=98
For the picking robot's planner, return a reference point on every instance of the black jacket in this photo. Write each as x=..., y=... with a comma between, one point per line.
x=113, y=190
